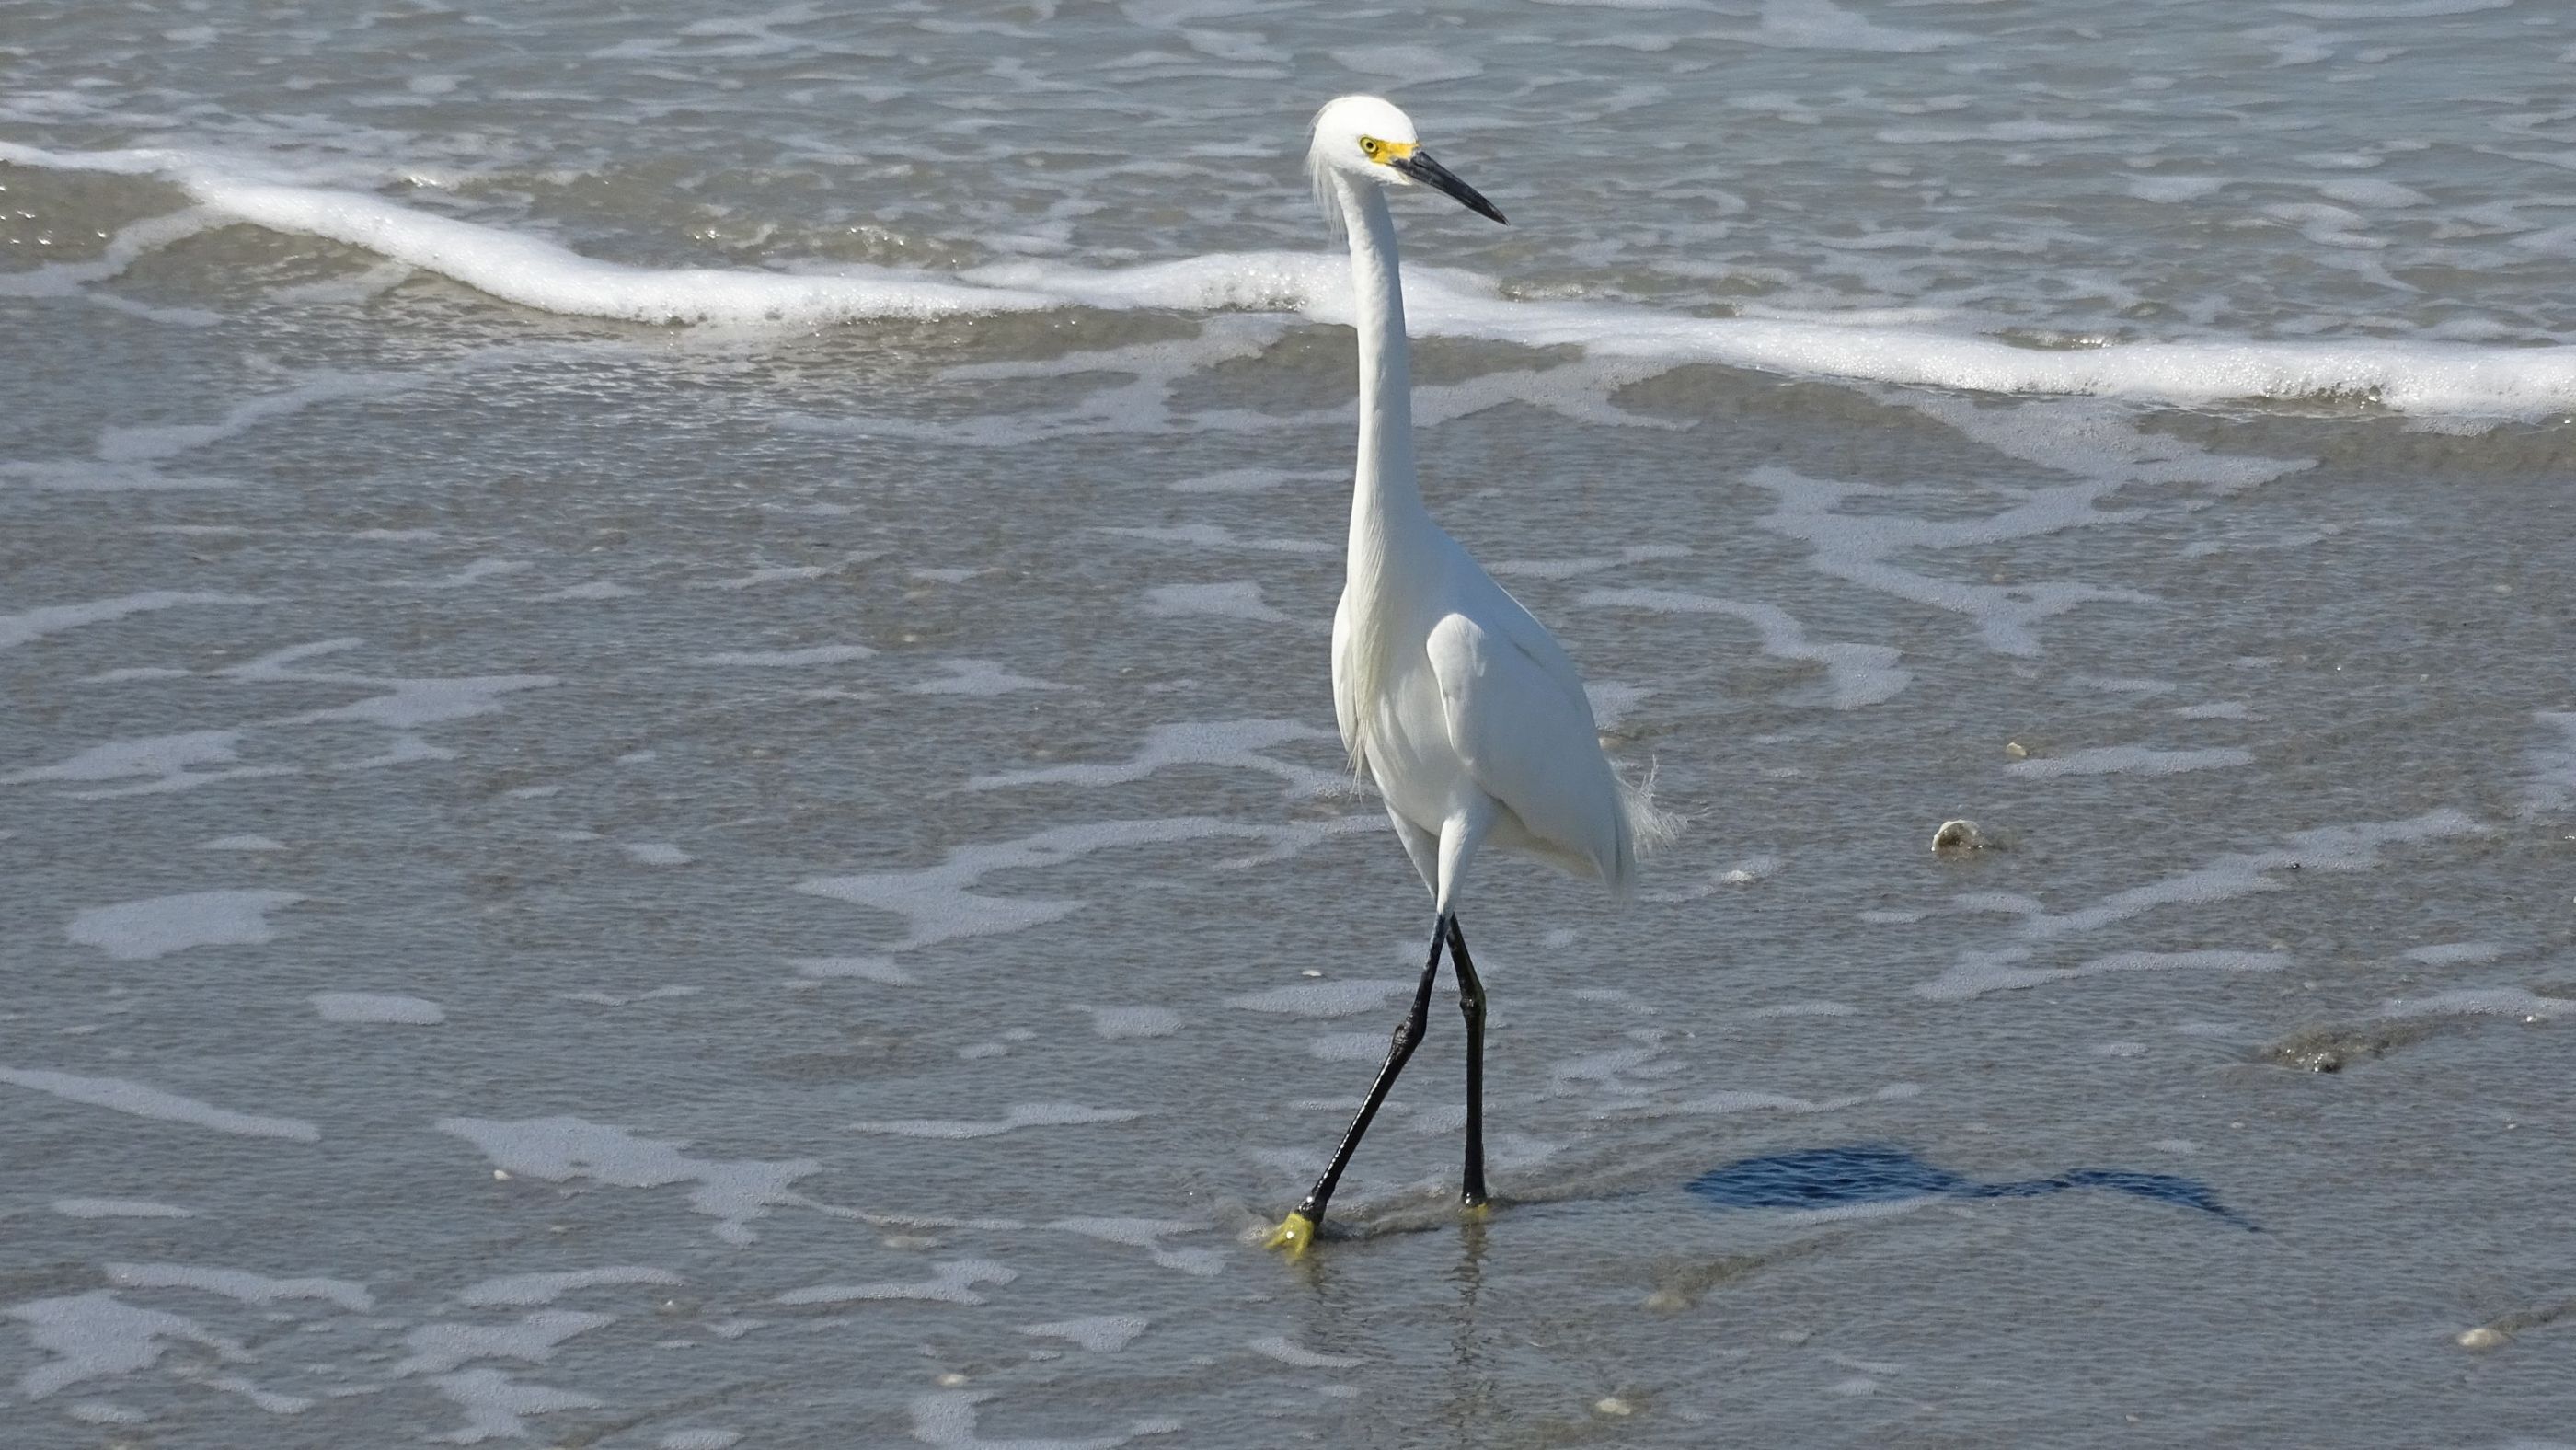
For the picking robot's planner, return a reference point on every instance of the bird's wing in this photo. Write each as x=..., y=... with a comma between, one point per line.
x=1521, y=722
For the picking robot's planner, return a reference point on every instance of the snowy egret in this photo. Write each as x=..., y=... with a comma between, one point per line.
x=1461, y=707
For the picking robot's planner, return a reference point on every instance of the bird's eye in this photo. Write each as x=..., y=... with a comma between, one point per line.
x=1371, y=145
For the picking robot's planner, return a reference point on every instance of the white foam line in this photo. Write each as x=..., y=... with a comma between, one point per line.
x=96, y=1334
x=151, y=442
x=1229, y=744
x=149, y=1102
x=1022, y=1115
x=241, y=1284
x=2355, y=847
x=118, y=1208
x=1978, y=973
x=2405, y=377
x=30, y=624
x=537, y=273
x=544, y=1287
x=2130, y=760
x=1856, y=674
x=939, y=905
x=1289, y=1352
x=952, y=1281
x=1099, y=1333
x=946, y=1419
x=2482, y=1001
x=2551, y=788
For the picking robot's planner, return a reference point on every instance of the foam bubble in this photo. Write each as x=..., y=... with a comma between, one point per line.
x=2123, y=685
x=411, y=703
x=560, y=1149
x=938, y=906
x=1823, y=25
x=1289, y=1352
x=496, y=1406
x=2551, y=789
x=2407, y=377
x=1230, y=744
x=1255, y=480
x=1347, y=1047
x=821, y=654
x=166, y=761
x=476, y=573
x=537, y=273
x=153, y=442
x=149, y=1102
x=1238, y=599
x=156, y=927
x=977, y=677
x=1324, y=999
x=2456, y=954
x=118, y=1208
x=946, y=1419
x=2354, y=847
x=1977, y=973
x=2388, y=9
x=377, y=1007
x=1148, y=1234
x=1803, y=1009
x=2172, y=189
x=1124, y=1022
x=1099, y=1333
x=1855, y=674
x=873, y=969
x=1749, y=1101
x=1215, y=536
x=950, y=1282
x=93, y=1335
x=2129, y=760
x=595, y=589
x=240, y=1284
x=2483, y=1002
x=532, y=1290
x=1021, y=1115
x=32, y=624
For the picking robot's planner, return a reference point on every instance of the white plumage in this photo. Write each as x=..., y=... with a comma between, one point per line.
x=1461, y=707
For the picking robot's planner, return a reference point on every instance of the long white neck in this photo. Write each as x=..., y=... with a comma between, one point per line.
x=1386, y=506
x=1384, y=493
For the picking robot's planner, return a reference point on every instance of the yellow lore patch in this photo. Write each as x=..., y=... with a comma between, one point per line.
x=1383, y=152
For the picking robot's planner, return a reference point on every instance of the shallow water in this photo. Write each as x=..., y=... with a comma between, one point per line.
x=666, y=768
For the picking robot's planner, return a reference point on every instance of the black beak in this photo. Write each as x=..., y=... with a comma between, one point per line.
x=1432, y=174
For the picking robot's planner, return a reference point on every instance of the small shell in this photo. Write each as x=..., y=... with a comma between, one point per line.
x=2485, y=1336
x=1958, y=835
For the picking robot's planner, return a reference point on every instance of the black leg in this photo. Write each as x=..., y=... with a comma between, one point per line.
x=1292, y=1235
x=1471, y=1002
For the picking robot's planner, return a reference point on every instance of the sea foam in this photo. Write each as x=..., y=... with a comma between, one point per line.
x=2412, y=377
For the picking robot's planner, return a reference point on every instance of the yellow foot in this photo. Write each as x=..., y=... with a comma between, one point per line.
x=1477, y=1212
x=1294, y=1234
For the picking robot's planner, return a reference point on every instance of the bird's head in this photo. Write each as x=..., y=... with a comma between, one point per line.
x=1368, y=140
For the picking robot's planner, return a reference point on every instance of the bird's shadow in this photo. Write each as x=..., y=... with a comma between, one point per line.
x=1876, y=1173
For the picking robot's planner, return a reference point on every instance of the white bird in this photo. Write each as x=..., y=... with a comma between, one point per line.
x=1461, y=707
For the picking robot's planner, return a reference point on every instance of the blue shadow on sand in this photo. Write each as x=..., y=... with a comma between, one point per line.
x=1874, y=1173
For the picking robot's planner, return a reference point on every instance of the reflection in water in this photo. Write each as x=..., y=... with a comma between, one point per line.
x=1870, y=1173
